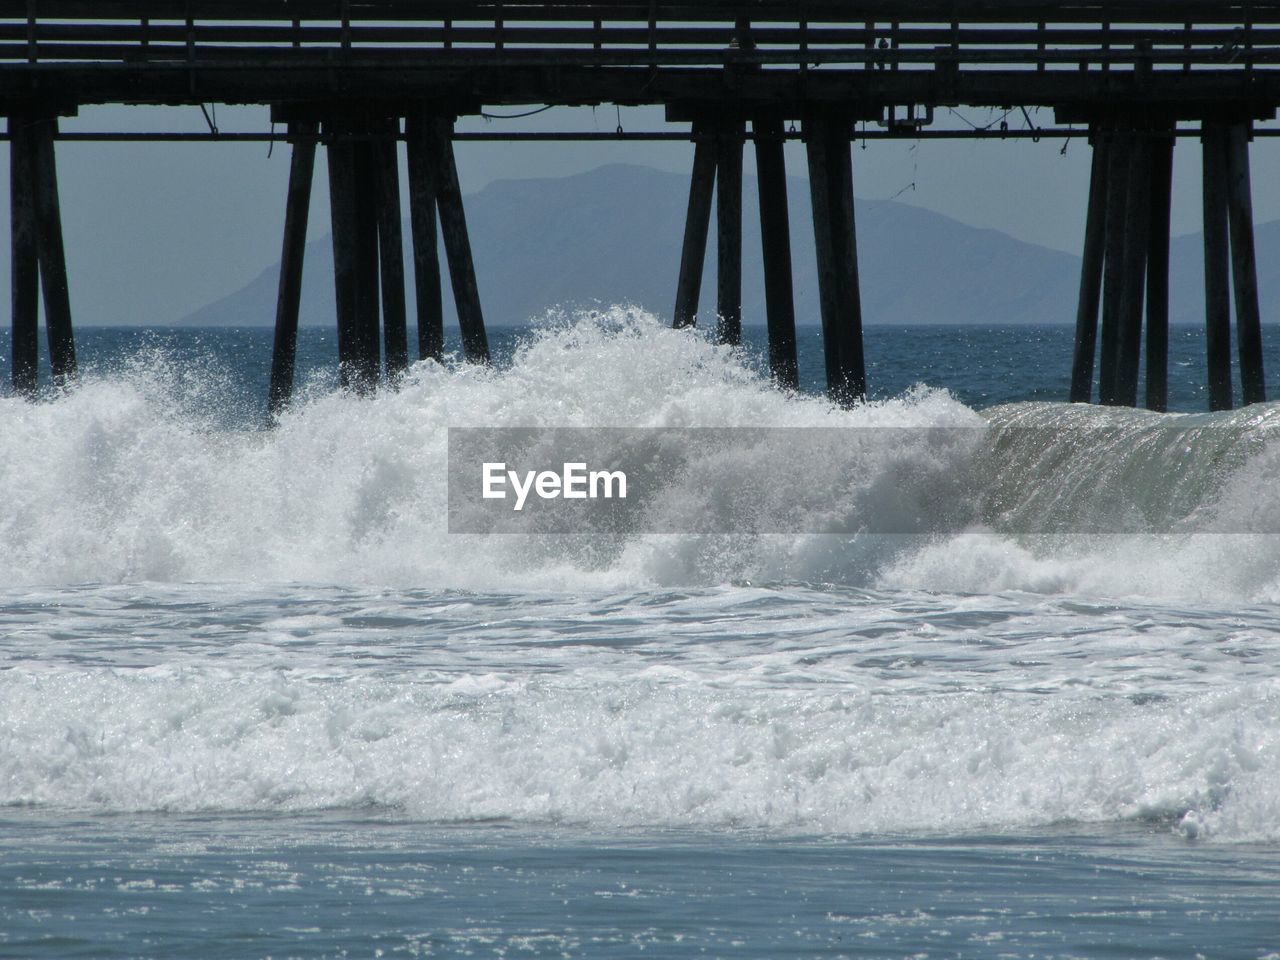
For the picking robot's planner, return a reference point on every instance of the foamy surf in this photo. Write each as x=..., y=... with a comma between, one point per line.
x=796, y=712
x=219, y=619
x=130, y=477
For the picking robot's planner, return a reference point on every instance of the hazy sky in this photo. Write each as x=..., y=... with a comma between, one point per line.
x=155, y=231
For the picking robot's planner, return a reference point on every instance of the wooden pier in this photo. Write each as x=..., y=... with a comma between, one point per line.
x=360, y=77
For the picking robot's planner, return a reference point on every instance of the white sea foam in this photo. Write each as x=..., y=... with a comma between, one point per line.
x=946, y=681
x=661, y=746
x=125, y=479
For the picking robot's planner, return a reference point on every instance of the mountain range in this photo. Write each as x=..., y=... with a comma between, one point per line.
x=613, y=235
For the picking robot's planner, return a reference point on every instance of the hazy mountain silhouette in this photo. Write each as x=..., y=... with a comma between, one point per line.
x=613, y=235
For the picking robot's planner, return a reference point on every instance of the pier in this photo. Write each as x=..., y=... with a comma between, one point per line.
x=360, y=78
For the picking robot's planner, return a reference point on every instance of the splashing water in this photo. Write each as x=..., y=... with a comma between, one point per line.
x=279, y=620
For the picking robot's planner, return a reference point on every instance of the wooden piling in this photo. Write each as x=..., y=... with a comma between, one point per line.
x=457, y=245
x=1113, y=255
x=1161, y=187
x=853, y=374
x=1137, y=228
x=426, y=255
x=696, y=224
x=342, y=210
x=831, y=190
x=368, y=342
x=1216, y=294
x=1091, y=272
x=1243, y=267
x=775, y=244
x=52, y=256
x=25, y=259
x=395, y=336
x=289, y=293
x=729, y=233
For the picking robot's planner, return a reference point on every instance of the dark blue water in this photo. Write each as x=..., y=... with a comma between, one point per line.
x=981, y=366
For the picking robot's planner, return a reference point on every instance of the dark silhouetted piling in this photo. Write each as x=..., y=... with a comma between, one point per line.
x=25, y=258
x=289, y=293
x=1243, y=267
x=1137, y=228
x=342, y=211
x=1161, y=187
x=729, y=233
x=52, y=256
x=457, y=245
x=368, y=340
x=775, y=243
x=395, y=336
x=1113, y=278
x=426, y=255
x=697, y=221
x=1217, y=296
x=1091, y=273
x=831, y=190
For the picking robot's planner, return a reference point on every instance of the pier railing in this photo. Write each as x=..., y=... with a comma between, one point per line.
x=801, y=35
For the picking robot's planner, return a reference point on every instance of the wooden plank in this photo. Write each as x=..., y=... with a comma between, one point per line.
x=729, y=233
x=1243, y=266
x=289, y=293
x=775, y=242
x=24, y=258
x=1091, y=272
x=426, y=256
x=697, y=222
x=53, y=262
x=820, y=11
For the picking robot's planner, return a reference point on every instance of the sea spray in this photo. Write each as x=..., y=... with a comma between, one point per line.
x=134, y=476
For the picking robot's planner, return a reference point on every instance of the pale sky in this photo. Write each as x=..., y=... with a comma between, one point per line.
x=157, y=230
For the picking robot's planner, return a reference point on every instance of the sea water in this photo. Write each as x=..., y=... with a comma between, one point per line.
x=256, y=700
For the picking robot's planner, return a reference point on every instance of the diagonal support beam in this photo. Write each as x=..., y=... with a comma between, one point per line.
x=289, y=294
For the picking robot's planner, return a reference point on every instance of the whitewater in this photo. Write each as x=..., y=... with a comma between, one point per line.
x=236, y=655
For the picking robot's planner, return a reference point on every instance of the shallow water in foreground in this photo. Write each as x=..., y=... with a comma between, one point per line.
x=343, y=885
x=239, y=770
x=256, y=700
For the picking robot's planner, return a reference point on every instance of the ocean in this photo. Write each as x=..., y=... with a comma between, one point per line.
x=256, y=700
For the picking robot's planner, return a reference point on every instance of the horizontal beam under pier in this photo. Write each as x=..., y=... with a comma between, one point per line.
x=835, y=11
x=588, y=136
x=1072, y=93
